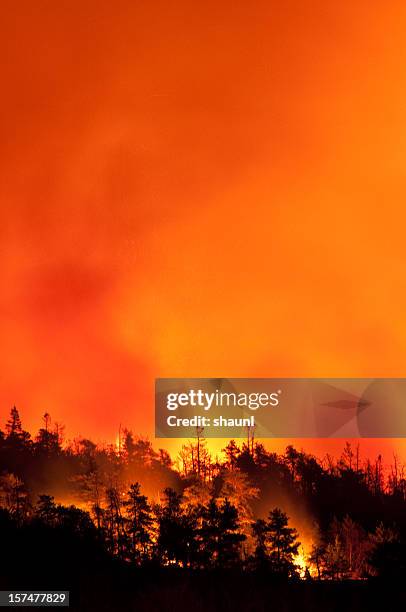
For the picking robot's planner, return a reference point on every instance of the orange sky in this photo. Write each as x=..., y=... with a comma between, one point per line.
x=197, y=189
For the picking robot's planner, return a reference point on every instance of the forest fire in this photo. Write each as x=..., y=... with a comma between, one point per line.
x=201, y=513
x=301, y=560
x=203, y=190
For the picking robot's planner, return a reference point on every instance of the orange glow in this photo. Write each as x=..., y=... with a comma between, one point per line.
x=301, y=561
x=212, y=190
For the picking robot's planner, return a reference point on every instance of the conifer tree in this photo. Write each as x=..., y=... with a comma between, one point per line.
x=13, y=426
x=221, y=534
x=283, y=542
x=277, y=543
x=139, y=522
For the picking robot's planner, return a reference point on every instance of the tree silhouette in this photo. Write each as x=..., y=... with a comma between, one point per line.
x=15, y=497
x=387, y=557
x=46, y=510
x=177, y=543
x=47, y=442
x=277, y=543
x=206, y=518
x=114, y=528
x=14, y=430
x=260, y=531
x=221, y=534
x=13, y=426
x=317, y=558
x=139, y=523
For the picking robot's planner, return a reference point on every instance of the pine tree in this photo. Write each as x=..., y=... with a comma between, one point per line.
x=15, y=435
x=116, y=536
x=221, y=534
x=139, y=523
x=13, y=426
x=46, y=509
x=277, y=543
x=177, y=540
x=259, y=529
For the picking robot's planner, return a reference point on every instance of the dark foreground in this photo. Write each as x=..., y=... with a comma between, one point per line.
x=172, y=590
x=43, y=559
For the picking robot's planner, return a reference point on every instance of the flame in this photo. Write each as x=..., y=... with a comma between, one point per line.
x=302, y=560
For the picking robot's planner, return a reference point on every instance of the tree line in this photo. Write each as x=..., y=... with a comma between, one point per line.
x=248, y=510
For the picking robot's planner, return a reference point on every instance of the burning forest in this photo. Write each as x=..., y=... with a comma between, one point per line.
x=288, y=516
